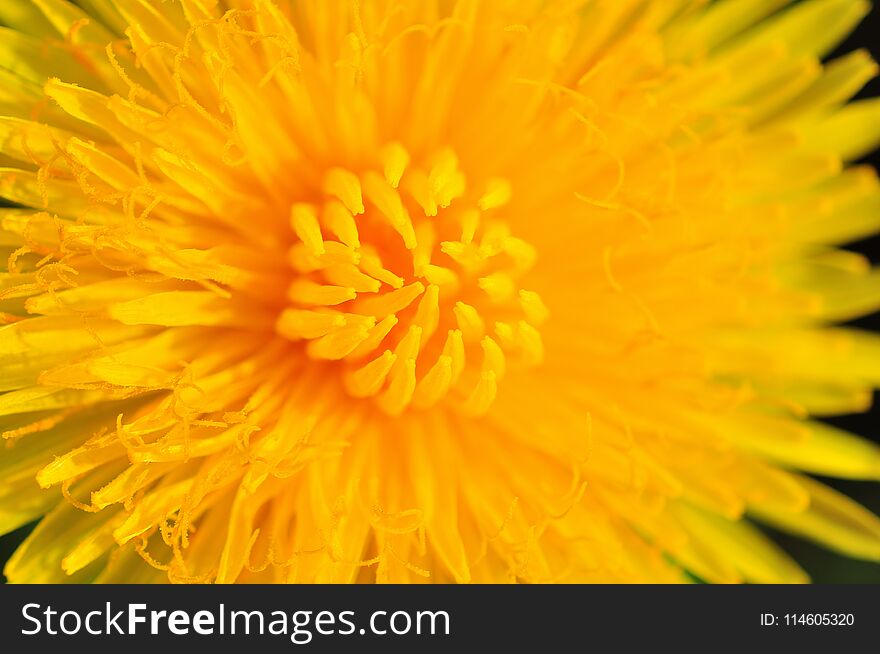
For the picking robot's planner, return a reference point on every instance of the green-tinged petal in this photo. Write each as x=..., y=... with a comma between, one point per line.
x=850, y=133
x=833, y=520
x=812, y=28
x=743, y=547
x=824, y=450
x=42, y=398
x=39, y=558
x=22, y=501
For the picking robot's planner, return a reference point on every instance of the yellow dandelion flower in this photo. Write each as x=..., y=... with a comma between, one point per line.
x=432, y=290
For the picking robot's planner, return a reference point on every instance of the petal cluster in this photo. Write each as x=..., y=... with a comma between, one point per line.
x=373, y=290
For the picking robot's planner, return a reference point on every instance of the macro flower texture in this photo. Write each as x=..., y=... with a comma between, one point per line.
x=438, y=291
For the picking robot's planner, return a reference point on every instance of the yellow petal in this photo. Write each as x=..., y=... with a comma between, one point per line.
x=833, y=520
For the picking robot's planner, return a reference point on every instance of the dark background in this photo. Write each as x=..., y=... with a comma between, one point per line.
x=822, y=565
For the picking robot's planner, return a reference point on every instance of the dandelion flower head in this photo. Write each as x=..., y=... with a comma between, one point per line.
x=432, y=290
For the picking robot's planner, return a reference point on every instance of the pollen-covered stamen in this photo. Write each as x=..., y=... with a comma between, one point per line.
x=409, y=277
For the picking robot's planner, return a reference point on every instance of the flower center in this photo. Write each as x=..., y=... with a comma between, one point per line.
x=408, y=276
